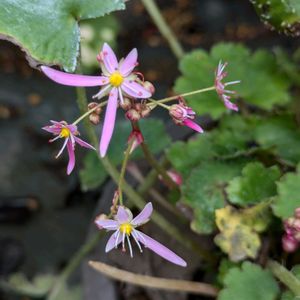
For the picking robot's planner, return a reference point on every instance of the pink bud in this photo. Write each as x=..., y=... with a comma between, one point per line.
x=94, y=119
x=136, y=138
x=145, y=112
x=175, y=176
x=132, y=115
x=149, y=87
x=126, y=104
x=289, y=243
x=92, y=105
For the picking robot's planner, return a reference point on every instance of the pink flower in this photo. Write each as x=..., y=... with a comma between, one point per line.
x=220, y=87
x=184, y=115
x=136, y=138
x=70, y=134
x=117, y=80
x=125, y=226
x=291, y=237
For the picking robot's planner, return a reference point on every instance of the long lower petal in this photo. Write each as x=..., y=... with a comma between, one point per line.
x=193, y=125
x=74, y=79
x=229, y=104
x=83, y=143
x=71, y=152
x=160, y=249
x=135, y=90
x=109, y=121
x=113, y=242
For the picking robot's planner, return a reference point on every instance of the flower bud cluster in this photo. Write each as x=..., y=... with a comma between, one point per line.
x=94, y=117
x=291, y=238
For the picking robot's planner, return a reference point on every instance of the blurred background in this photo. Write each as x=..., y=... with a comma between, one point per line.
x=45, y=215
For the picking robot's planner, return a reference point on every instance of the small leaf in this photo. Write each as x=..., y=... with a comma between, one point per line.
x=250, y=282
x=256, y=184
x=258, y=69
x=93, y=174
x=236, y=238
x=48, y=31
x=288, y=198
x=204, y=191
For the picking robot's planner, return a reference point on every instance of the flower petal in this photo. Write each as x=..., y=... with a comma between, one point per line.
x=160, y=249
x=83, y=143
x=123, y=216
x=112, y=243
x=134, y=89
x=71, y=153
x=193, y=125
x=74, y=79
x=229, y=104
x=107, y=224
x=109, y=58
x=128, y=64
x=143, y=216
x=109, y=121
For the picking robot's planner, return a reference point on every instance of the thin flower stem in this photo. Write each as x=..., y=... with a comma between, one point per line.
x=163, y=27
x=154, y=163
x=74, y=262
x=173, y=285
x=184, y=95
x=89, y=112
x=159, y=103
x=123, y=170
x=285, y=276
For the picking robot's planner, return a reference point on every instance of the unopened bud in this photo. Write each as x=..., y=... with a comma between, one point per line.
x=289, y=243
x=94, y=119
x=132, y=115
x=175, y=176
x=126, y=104
x=92, y=105
x=136, y=138
x=145, y=112
x=149, y=87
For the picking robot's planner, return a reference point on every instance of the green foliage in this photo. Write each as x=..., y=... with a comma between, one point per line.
x=282, y=15
x=288, y=295
x=48, y=30
x=256, y=184
x=281, y=134
x=288, y=198
x=93, y=174
x=248, y=283
x=257, y=70
x=204, y=191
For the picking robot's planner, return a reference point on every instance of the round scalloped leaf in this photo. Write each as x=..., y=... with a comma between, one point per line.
x=250, y=282
x=281, y=15
x=258, y=69
x=255, y=185
x=48, y=31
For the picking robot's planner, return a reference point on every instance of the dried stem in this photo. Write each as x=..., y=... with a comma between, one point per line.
x=173, y=285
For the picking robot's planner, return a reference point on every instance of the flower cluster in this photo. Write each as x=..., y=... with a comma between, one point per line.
x=291, y=238
x=124, y=227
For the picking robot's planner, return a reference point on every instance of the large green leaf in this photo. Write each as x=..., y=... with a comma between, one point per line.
x=153, y=130
x=204, y=191
x=257, y=70
x=255, y=185
x=282, y=15
x=48, y=30
x=288, y=198
x=250, y=282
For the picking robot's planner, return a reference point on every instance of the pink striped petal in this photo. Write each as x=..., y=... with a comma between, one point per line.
x=193, y=125
x=107, y=224
x=74, y=79
x=160, y=249
x=109, y=121
x=229, y=104
x=135, y=90
x=83, y=143
x=123, y=216
x=111, y=243
x=71, y=153
x=109, y=58
x=129, y=63
x=143, y=216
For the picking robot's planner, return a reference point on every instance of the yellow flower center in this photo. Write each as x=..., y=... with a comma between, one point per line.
x=116, y=79
x=126, y=228
x=65, y=132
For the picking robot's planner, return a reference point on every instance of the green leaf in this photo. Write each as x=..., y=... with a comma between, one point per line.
x=258, y=69
x=250, y=282
x=255, y=185
x=204, y=191
x=288, y=198
x=282, y=134
x=93, y=174
x=48, y=30
x=288, y=295
x=284, y=16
